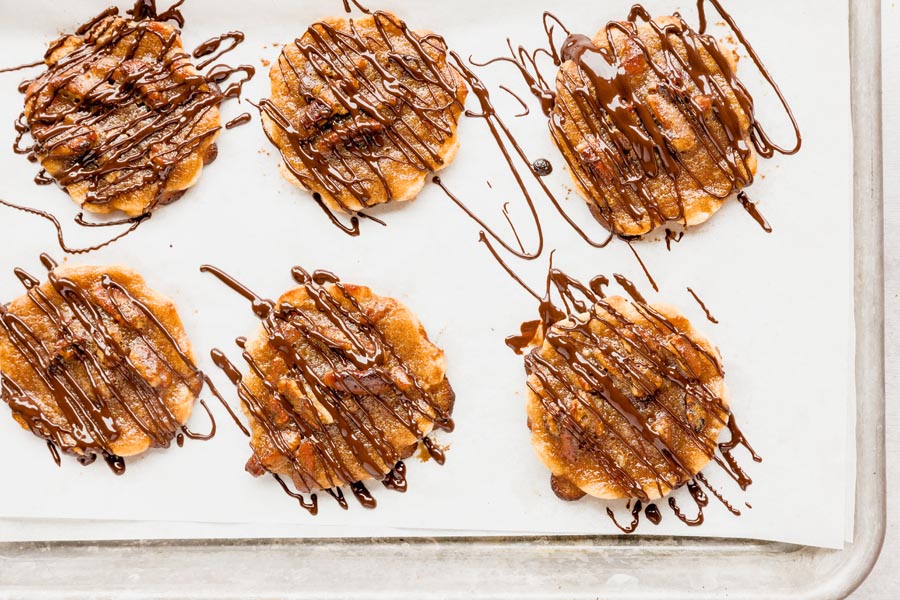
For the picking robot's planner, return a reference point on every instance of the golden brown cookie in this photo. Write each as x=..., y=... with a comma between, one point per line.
x=342, y=383
x=625, y=401
x=121, y=118
x=363, y=110
x=96, y=363
x=653, y=123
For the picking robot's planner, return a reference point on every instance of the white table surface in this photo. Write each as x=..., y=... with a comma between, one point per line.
x=884, y=582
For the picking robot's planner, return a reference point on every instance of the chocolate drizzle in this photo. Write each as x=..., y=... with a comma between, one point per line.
x=120, y=108
x=672, y=236
x=625, y=139
x=377, y=102
x=132, y=222
x=751, y=209
x=355, y=393
x=212, y=48
x=709, y=316
x=85, y=363
x=608, y=373
x=239, y=120
x=22, y=67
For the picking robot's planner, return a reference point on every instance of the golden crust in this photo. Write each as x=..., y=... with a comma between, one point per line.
x=701, y=188
x=663, y=407
x=148, y=350
x=414, y=358
x=357, y=161
x=122, y=119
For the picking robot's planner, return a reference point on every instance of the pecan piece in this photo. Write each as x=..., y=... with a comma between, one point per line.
x=358, y=383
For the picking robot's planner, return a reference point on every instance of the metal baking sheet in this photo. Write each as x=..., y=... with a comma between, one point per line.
x=532, y=567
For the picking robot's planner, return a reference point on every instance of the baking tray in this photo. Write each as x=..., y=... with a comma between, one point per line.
x=535, y=567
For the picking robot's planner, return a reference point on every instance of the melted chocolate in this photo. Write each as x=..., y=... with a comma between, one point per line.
x=436, y=453
x=514, y=155
x=701, y=500
x=92, y=371
x=671, y=236
x=627, y=147
x=655, y=346
x=238, y=121
x=709, y=316
x=212, y=48
x=129, y=128
x=396, y=479
x=751, y=209
x=406, y=104
x=22, y=67
x=542, y=167
x=635, y=517
x=357, y=375
x=134, y=223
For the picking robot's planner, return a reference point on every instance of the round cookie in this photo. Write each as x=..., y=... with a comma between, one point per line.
x=96, y=363
x=653, y=123
x=342, y=385
x=625, y=401
x=121, y=118
x=363, y=110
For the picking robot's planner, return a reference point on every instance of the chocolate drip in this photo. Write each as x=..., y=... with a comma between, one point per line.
x=437, y=454
x=239, y=120
x=134, y=222
x=525, y=110
x=106, y=117
x=652, y=514
x=200, y=436
x=727, y=449
x=361, y=493
x=355, y=3
x=751, y=209
x=630, y=288
x=212, y=48
x=635, y=518
x=701, y=500
x=528, y=331
x=356, y=373
x=709, y=316
x=643, y=267
x=671, y=236
x=396, y=479
x=717, y=494
x=92, y=371
x=22, y=67
x=311, y=506
x=146, y=9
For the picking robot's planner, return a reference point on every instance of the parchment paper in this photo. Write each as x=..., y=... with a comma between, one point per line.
x=782, y=299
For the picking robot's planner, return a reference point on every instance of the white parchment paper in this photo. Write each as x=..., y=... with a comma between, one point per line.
x=782, y=299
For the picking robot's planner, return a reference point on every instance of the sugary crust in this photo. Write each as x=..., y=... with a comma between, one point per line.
x=177, y=396
x=401, y=330
x=161, y=165
x=581, y=469
x=296, y=85
x=701, y=188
